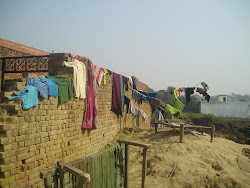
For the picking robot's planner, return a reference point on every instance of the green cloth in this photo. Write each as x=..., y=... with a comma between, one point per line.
x=65, y=88
x=171, y=111
x=106, y=168
x=122, y=93
x=176, y=103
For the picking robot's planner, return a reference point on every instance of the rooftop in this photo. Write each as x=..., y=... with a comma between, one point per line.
x=22, y=48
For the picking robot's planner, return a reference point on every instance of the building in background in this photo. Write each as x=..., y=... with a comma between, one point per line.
x=224, y=107
x=222, y=98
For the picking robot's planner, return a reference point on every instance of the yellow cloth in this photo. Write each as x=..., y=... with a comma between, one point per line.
x=177, y=93
x=104, y=76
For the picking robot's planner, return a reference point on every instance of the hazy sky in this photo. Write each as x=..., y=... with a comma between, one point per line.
x=163, y=43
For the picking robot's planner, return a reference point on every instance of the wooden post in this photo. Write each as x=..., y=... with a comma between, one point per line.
x=74, y=171
x=126, y=165
x=144, y=164
x=81, y=183
x=212, y=132
x=181, y=132
x=61, y=175
x=144, y=167
x=156, y=126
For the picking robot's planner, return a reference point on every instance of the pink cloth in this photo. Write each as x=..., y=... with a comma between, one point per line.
x=77, y=57
x=90, y=117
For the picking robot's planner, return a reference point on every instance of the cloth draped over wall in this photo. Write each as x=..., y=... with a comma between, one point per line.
x=52, y=86
x=40, y=86
x=91, y=113
x=28, y=96
x=65, y=88
x=79, y=77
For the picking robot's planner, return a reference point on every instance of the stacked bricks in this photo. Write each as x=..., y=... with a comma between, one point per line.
x=36, y=139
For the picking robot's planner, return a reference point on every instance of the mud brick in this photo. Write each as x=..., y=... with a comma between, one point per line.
x=42, y=118
x=21, y=138
x=22, y=151
x=38, y=118
x=20, y=144
x=20, y=119
x=30, y=160
x=23, y=156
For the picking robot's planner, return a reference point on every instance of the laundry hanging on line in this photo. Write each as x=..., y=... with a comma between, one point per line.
x=138, y=112
x=117, y=95
x=79, y=77
x=41, y=87
x=65, y=88
x=52, y=86
x=90, y=120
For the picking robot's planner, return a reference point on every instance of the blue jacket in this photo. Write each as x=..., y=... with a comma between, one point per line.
x=41, y=87
x=52, y=86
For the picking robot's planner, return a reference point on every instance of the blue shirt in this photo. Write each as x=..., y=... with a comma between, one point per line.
x=52, y=86
x=28, y=96
x=41, y=87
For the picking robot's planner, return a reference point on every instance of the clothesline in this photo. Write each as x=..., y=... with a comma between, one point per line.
x=135, y=90
x=161, y=102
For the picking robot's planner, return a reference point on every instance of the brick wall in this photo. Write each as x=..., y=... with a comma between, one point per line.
x=35, y=139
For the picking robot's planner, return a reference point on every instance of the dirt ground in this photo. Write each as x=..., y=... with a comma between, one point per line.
x=196, y=162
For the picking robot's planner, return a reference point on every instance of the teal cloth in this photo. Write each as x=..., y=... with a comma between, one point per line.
x=171, y=112
x=28, y=96
x=176, y=103
x=204, y=84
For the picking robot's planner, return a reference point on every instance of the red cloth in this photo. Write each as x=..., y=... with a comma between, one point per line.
x=98, y=75
x=116, y=94
x=90, y=117
x=180, y=89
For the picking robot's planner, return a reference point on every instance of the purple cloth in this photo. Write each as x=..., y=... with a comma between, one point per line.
x=90, y=117
x=77, y=57
x=116, y=94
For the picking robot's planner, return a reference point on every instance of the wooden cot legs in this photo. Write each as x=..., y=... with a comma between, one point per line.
x=181, y=132
x=212, y=132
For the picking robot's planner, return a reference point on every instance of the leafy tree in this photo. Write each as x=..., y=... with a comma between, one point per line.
x=171, y=88
x=150, y=90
